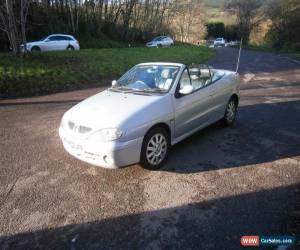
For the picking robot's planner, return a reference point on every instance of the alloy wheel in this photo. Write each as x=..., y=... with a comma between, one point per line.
x=230, y=111
x=156, y=149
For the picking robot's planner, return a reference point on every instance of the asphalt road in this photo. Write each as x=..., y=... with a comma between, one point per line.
x=216, y=186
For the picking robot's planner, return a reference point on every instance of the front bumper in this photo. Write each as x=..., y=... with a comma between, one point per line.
x=103, y=154
x=219, y=44
x=151, y=45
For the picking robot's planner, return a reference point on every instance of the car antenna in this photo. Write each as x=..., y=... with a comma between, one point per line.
x=238, y=61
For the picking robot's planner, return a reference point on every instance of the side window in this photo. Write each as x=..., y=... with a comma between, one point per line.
x=216, y=75
x=205, y=77
x=196, y=78
x=185, y=79
x=200, y=77
x=62, y=38
x=52, y=38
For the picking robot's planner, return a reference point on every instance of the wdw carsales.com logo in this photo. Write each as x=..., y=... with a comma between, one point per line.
x=250, y=240
x=255, y=240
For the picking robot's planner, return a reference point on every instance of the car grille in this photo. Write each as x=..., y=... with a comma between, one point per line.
x=78, y=128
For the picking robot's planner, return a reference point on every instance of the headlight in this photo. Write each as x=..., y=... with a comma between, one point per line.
x=63, y=123
x=108, y=134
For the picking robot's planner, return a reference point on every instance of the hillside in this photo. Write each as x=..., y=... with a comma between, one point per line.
x=215, y=12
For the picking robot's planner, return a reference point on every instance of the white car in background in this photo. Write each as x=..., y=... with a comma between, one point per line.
x=160, y=41
x=219, y=42
x=53, y=42
x=150, y=108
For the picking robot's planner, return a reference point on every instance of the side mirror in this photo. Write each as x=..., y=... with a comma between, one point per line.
x=113, y=83
x=187, y=89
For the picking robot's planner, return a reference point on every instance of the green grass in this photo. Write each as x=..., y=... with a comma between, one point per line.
x=89, y=42
x=287, y=52
x=259, y=48
x=56, y=71
x=294, y=55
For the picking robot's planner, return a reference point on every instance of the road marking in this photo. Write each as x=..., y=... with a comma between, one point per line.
x=248, y=77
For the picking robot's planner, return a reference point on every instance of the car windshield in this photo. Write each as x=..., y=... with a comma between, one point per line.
x=44, y=38
x=219, y=39
x=148, y=78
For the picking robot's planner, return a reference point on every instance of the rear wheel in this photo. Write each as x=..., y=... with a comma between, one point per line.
x=230, y=112
x=70, y=47
x=155, y=148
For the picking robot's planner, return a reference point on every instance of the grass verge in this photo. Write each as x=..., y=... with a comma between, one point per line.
x=51, y=72
x=293, y=54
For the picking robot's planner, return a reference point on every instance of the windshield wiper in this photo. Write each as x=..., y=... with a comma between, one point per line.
x=129, y=90
x=152, y=90
x=120, y=89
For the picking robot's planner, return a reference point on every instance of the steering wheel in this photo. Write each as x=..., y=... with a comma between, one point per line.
x=139, y=82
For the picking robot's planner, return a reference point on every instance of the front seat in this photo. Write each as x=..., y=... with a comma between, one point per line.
x=205, y=76
x=195, y=77
x=165, y=81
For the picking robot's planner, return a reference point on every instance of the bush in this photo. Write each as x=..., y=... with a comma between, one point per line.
x=291, y=47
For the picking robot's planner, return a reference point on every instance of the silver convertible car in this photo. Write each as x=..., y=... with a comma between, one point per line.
x=150, y=108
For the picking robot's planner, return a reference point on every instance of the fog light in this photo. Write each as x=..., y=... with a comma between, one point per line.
x=108, y=160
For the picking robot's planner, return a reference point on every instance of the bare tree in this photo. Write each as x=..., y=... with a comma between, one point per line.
x=187, y=20
x=247, y=13
x=9, y=21
x=23, y=20
x=9, y=24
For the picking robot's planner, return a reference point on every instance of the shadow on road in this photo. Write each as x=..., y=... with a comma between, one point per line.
x=263, y=133
x=184, y=227
x=251, y=61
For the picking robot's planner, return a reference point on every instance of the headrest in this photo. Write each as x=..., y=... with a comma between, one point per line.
x=204, y=73
x=194, y=72
x=165, y=73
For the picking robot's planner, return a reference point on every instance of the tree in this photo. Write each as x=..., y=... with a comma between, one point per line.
x=9, y=21
x=23, y=20
x=247, y=13
x=285, y=20
x=188, y=21
x=215, y=30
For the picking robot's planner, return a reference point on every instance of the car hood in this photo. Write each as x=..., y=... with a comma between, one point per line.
x=32, y=43
x=109, y=109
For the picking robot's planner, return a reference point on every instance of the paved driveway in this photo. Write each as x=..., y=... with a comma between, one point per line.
x=216, y=186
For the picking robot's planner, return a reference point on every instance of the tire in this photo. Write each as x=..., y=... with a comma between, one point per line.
x=159, y=46
x=230, y=113
x=70, y=48
x=155, y=148
x=35, y=49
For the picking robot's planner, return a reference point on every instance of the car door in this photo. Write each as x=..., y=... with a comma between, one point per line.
x=50, y=43
x=222, y=92
x=165, y=41
x=62, y=42
x=192, y=111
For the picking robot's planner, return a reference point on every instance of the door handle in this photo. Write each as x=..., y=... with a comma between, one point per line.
x=212, y=93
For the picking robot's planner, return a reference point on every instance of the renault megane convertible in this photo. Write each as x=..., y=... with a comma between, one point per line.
x=150, y=108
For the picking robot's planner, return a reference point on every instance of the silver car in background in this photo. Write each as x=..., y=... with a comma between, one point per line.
x=150, y=108
x=219, y=42
x=161, y=41
x=53, y=42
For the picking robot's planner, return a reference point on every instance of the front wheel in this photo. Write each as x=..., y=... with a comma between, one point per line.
x=155, y=148
x=230, y=113
x=35, y=49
